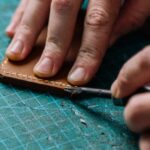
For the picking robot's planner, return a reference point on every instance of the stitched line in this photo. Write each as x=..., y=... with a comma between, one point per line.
x=23, y=76
x=55, y=83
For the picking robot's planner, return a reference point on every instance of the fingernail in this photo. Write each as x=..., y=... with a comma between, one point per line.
x=45, y=67
x=115, y=90
x=77, y=75
x=17, y=47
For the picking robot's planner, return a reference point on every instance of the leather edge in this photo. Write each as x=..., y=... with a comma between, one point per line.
x=54, y=87
x=29, y=79
x=32, y=85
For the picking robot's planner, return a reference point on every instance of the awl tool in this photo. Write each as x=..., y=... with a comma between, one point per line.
x=103, y=93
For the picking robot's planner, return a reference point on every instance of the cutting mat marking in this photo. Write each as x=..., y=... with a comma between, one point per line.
x=40, y=121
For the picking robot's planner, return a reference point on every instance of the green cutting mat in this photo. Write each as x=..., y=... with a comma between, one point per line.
x=34, y=121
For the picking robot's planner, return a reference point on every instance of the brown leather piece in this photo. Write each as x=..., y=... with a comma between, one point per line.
x=21, y=73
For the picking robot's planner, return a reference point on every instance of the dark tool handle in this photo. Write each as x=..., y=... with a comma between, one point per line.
x=124, y=101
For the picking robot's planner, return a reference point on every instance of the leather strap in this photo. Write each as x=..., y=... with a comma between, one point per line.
x=21, y=73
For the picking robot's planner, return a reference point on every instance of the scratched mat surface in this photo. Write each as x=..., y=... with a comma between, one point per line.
x=40, y=121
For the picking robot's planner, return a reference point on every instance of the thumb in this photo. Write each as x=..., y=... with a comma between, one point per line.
x=134, y=74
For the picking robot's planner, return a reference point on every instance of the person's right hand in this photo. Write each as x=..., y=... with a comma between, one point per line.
x=135, y=74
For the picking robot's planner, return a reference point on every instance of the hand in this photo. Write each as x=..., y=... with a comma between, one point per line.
x=135, y=74
x=132, y=16
x=98, y=32
x=62, y=15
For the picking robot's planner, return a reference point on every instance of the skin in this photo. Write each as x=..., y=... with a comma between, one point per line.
x=103, y=26
x=135, y=74
x=99, y=22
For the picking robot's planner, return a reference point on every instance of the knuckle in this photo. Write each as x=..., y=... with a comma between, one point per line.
x=26, y=30
x=49, y=52
x=97, y=18
x=88, y=53
x=62, y=5
x=53, y=47
x=20, y=11
x=52, y=40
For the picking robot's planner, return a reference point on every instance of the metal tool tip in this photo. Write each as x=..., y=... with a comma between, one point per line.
x=73, y=90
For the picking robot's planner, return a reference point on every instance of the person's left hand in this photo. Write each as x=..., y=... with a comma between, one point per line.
x=135, y=74
x=102, y=27
x=62, y=14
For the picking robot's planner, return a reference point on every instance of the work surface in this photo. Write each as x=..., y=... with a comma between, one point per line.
x=33, y=120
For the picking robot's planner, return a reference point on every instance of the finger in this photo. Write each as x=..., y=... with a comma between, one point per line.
x=137, y=113
x=134, y=74
x=29, y=29
x=16, y=19
x=72, y=53
x=132, y=16
x=98, y=26
x=145, y=141
x=62, y=20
